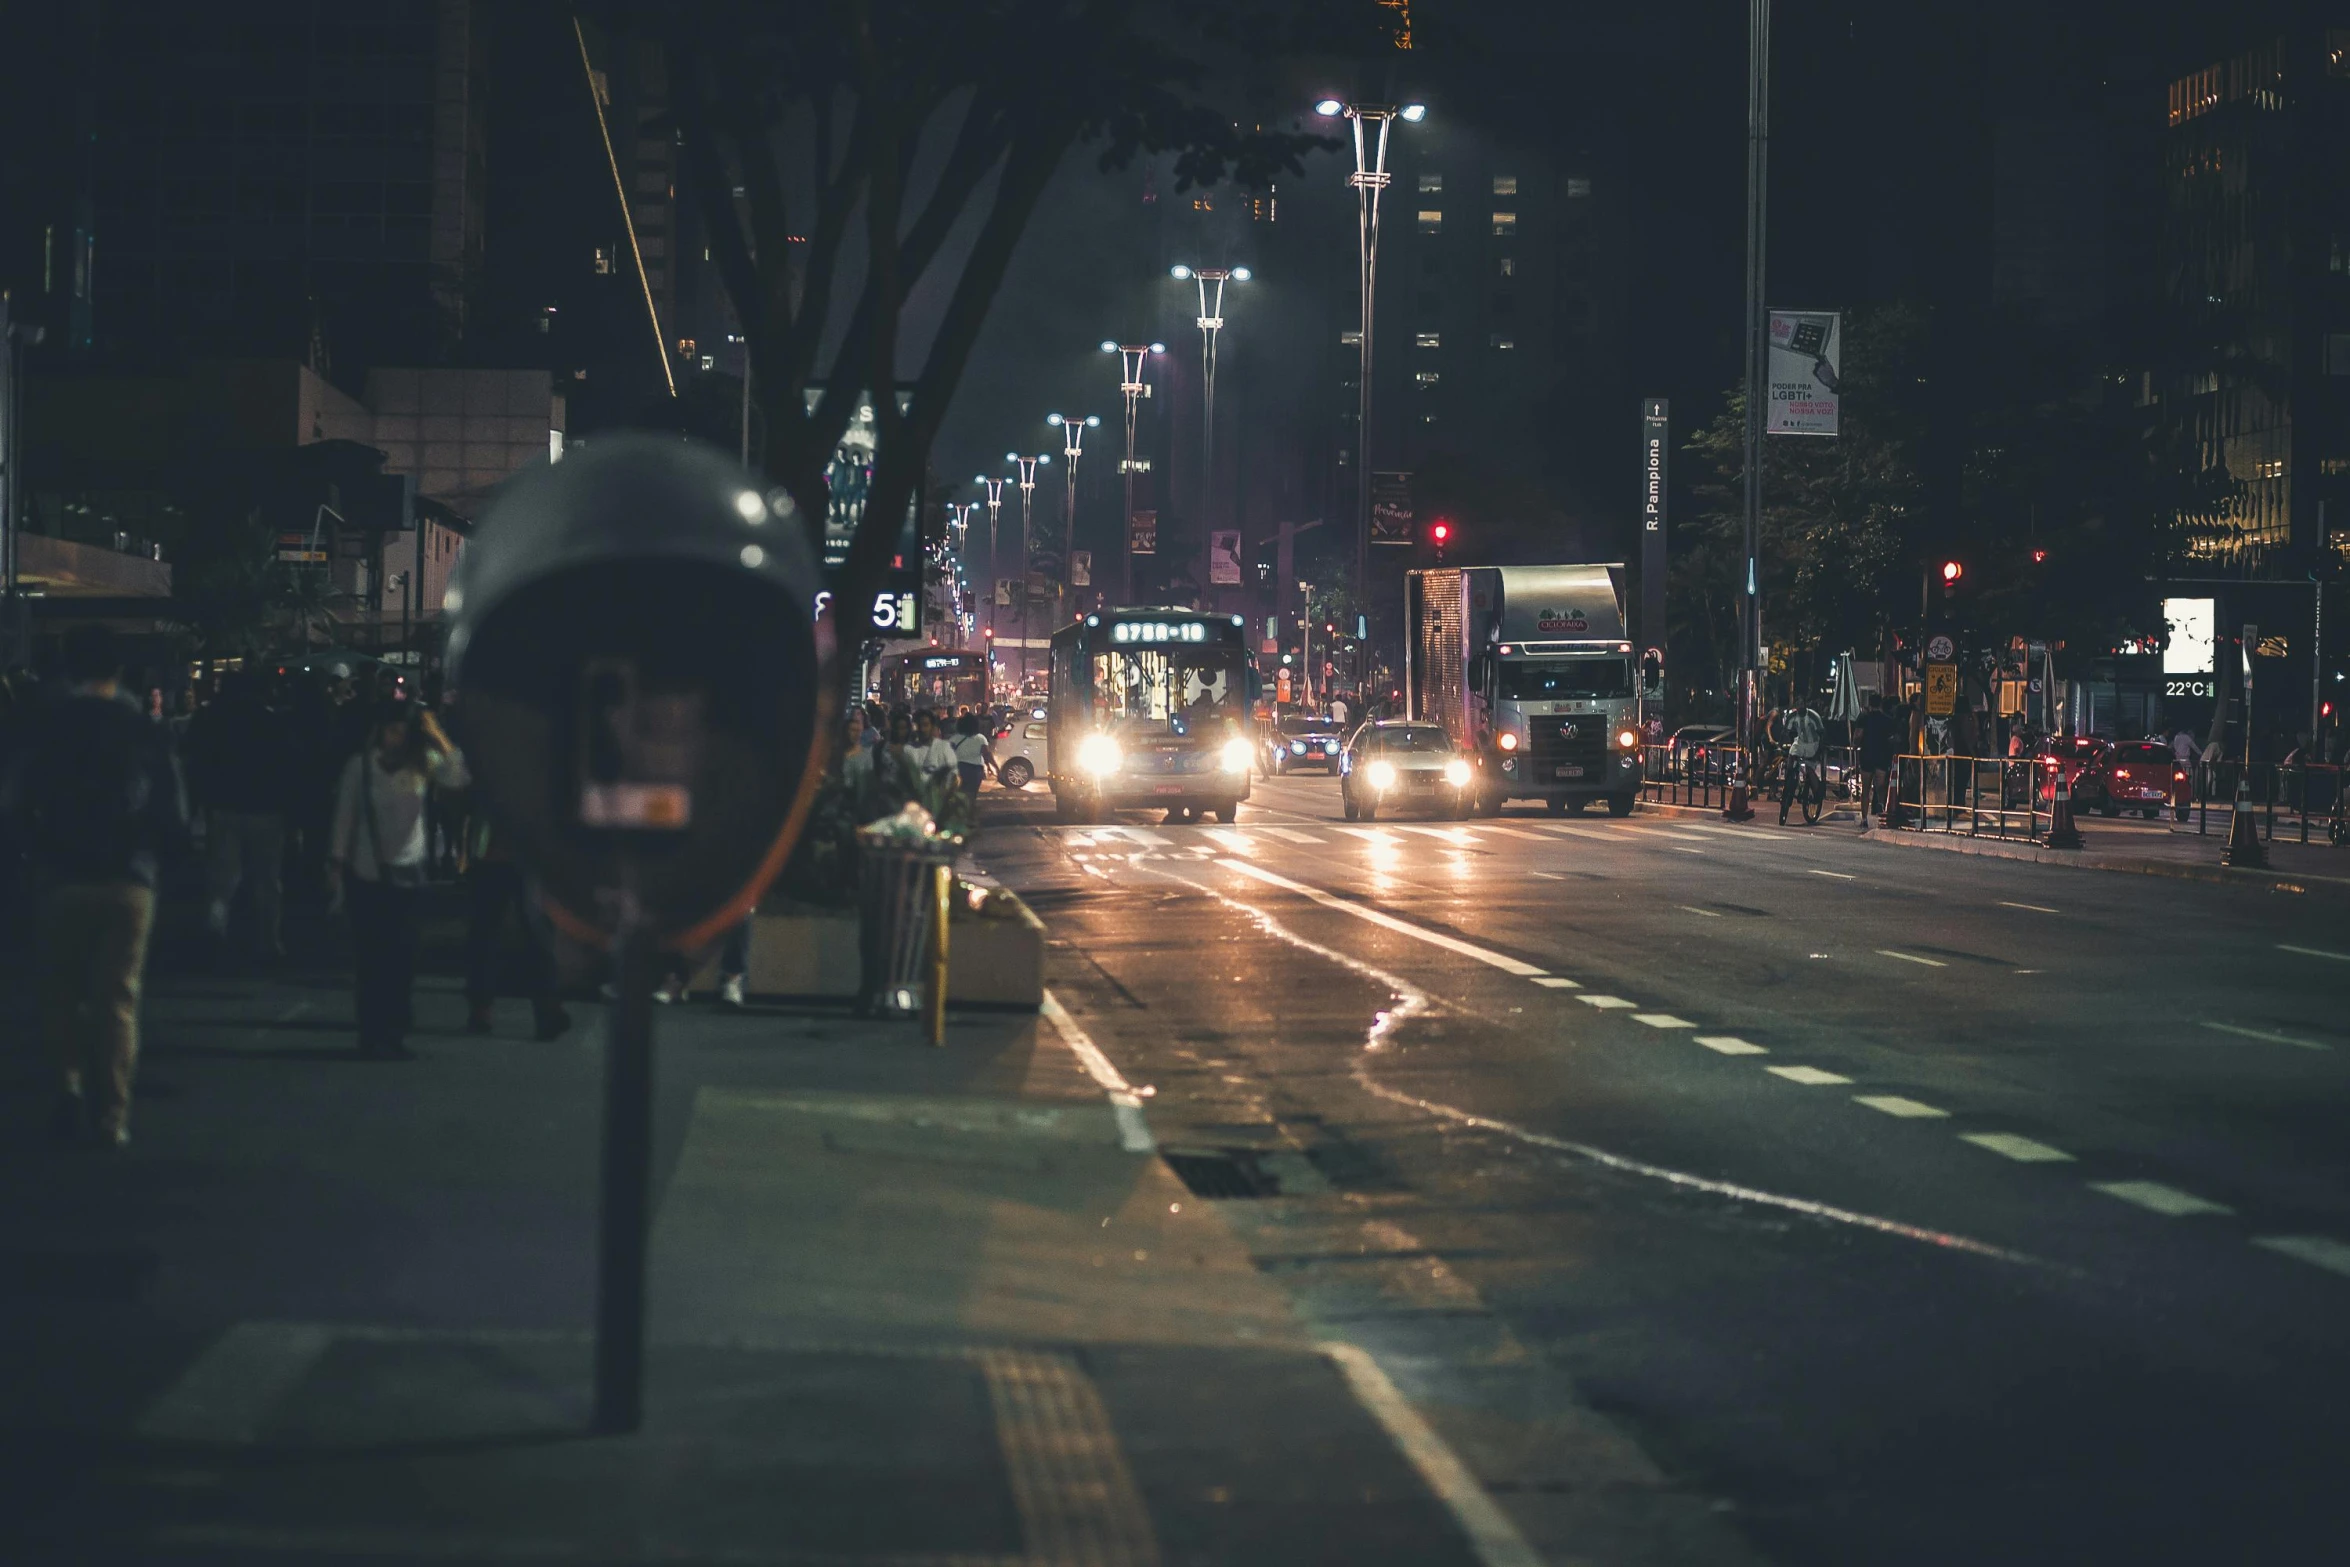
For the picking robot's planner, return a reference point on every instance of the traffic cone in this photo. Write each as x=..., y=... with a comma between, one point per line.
x=2244, y=845
x=1734, y=803
x=2062, y=833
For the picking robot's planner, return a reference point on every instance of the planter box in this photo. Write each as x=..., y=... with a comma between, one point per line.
x=811, y=954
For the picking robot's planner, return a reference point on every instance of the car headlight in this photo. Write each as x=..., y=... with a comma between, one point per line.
x=1329, y=748
x=1627, y=738
x=1381, y=775
x=1235, y=756
x=1456, y=772
x=1508, y=741
x=1297, y=748
x=1100, y=756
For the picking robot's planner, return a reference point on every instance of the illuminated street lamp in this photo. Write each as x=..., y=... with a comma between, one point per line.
x=1072, y=431
x=995, y=510
x=1211, y=281
x=1369, y=179
x=1027, y=467
x=1133, y=388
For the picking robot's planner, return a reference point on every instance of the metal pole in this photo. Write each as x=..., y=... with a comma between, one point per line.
x=1758, y=132
x=1369, y=180
x=627, y=1187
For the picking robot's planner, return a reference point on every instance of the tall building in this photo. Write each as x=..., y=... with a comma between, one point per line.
x=2253, y=379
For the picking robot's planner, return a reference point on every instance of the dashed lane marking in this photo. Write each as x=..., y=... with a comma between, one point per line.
x=1134, y=1133
x=1838, y=875
x=1607, y=1003
x=2023, y=1150
x=1683, y=849
x=1547, y=875
x=2036, y=908
x=1434, y=938
x=2321, y=1251
x=1911, y=957
x=2155, y=1197
x=1555, y=982
x=1895, y=1105
x=1492, y=1537
x=1730, y=1045
x=2269, y=1035
x=1662, y=1020
x=1691, y=908
x=1808, y=1076
x=2314, y=952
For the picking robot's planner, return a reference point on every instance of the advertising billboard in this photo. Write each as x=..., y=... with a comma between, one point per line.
x=1807, y=346
x=2194, y=636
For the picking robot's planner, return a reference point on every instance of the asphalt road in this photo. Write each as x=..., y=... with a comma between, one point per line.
x=1890, y=1206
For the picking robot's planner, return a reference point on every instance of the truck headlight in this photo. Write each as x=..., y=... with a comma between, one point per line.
x=1456, y=773
x=1627, y=738
x=1100, y=756
x=1235, y=756
x=1381, y=775
x=1508, y=740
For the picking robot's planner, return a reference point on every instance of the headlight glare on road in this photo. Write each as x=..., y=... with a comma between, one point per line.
x=1456, y=772
x=1099, y=755
x=1235, y=756
x=1381, y=775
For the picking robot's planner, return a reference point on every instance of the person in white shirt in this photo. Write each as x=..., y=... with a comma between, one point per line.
x=932, y=754
x=376, y=861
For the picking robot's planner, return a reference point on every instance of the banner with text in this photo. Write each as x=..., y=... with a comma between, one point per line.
x=1391, y=508
x=1224, y=558
x=1143, y=533
x=1807, y=346
x=1655, y=457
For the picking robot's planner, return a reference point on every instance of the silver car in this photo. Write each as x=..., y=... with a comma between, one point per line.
x=1401, y=766
x=1021, y=752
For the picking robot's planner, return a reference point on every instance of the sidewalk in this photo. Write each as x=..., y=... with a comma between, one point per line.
x=909, y=1305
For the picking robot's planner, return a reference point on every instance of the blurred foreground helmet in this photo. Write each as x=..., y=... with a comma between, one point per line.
x=640, y=678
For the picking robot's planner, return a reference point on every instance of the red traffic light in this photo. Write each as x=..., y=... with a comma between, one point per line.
x=1441, y=532
x=2039, y=556
x=1952, y=571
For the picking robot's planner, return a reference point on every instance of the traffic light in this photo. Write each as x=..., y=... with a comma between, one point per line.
x=1951, y=572
x=1440, y=534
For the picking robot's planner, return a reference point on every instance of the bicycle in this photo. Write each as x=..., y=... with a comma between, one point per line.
x=1811, y=788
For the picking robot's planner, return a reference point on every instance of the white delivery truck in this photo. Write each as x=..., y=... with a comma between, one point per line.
x=1531, y=671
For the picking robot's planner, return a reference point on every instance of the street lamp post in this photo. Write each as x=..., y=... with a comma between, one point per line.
x=1027, y=467
x=995, y=568
x=1758, y=149
x=1369, y=179
x=1211, y=281
x=1072, y=431
x=1133, y=388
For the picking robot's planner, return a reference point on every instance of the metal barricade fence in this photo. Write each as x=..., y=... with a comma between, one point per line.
x=1995, y=796
x=2309, y=796
x=1689, y=775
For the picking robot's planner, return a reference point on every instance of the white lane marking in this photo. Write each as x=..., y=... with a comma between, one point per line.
x=1491, y=1535
x=1906, y=1109
x=1555, y=982
x=2036, y=908
x=1547, y=875
x=1607, y=1003
x=227, y=1393
x=2023, y=1150
x=1459, y=835
x=1808, y=1076
x=1141, y=835
x=1730, y=1045
x=1839, y=875
x=2314, y=952
x=1434, y=938
x=2262, y=1033
x=1585, y=832
x=1134, y=1133
x=1719, y=832
x=1909, y=957
x=1095, y=870
x=1288, y=834
x=1682, y=849
x=1238, y=842
x=1691, y=908
x=1373, y=834
x=2168, y=1201
x=1513, y=832
x=1662, y=1020
x=2318, y=1250
x=1410, y=1000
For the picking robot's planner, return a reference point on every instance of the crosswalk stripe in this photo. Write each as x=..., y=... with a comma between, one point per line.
x=2021, y=1149
x=1809, y=1076
x=2168, y=1201
x=1287, y=834
x=1730, y=1045
x=2321, y=1251
x=1239, y=842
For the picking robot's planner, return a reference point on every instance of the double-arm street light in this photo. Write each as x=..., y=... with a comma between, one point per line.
x=1369, y=179
x=1027, y=467
x=995, y=567
x=1072, y=430
x=1134, y=389
x=1211, y=281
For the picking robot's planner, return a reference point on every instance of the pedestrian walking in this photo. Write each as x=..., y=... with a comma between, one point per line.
x=932, y=754
x=241, y=773
x=376, y=863
x=96, y=792
x=971, y=758
x=1875, y=729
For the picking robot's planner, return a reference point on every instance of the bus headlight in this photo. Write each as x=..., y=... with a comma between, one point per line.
x=1100, y=756
x=1235, y=756
x=1381, y=775
x=1456, y=773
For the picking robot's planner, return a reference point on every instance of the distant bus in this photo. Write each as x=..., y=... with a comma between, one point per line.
x=1149, y=708
x=935, y=678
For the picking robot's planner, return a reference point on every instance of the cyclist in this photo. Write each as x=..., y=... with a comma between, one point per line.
x=1799, y=731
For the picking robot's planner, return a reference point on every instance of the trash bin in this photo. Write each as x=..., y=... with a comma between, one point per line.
x=898, y=861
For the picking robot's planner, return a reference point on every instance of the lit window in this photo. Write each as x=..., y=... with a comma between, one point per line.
x=1500, y=341
x=1351, y=338
x=1203, y=204
x=1431, y=220
x=1505, y=223
x=709, y=361
x=685, y=348
x=1578, y=188
x=1427, y=377
x=1505, y=184
x=1428, y=340
x=1431, y=182
x=603, y=261
x=1509, y=266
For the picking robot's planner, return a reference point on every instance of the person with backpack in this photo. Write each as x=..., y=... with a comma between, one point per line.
x=96, y=792
x=376, y=863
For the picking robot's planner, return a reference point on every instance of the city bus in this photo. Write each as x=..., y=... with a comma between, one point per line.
x=1148, y=709
x=940, y=679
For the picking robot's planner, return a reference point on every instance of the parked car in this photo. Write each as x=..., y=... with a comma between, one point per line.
x=1692, y=744
x=2068, y=757
x=1021, y=752
x=2135, y=775
x=1300, y=740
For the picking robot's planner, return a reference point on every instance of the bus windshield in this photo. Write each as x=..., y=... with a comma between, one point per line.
x=1168, y=690
x=1551, y=679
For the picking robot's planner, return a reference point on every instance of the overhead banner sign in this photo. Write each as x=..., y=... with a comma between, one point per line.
x=1081, y=568
x=1655, y=450
x=1224, y=558
x=1143, y=533
x=1391, y=508
x=848, y=482
x=1807, y=347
